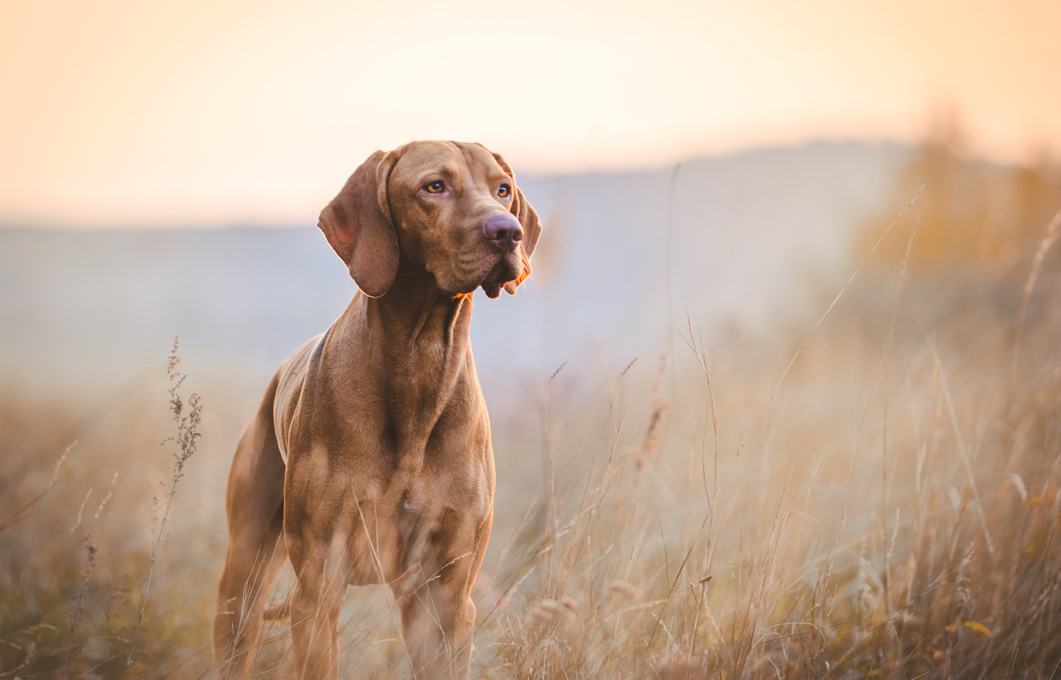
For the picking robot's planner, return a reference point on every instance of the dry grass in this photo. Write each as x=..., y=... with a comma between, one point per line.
x=887, y=509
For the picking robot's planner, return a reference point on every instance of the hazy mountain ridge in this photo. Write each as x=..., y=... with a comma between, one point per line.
x=91, y=307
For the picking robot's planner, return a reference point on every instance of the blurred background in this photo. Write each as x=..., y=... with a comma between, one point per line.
x=710, y=175
x=163, y=166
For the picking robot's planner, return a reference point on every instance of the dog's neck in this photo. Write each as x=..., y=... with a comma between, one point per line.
x=416, y=313
x=412, y=345
x=413, y=337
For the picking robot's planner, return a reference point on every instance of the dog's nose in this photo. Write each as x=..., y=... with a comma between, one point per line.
x=504, y=230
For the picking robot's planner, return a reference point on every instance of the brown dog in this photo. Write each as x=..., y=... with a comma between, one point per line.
x=370, y=456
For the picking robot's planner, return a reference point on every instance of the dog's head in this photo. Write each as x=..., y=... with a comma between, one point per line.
x=450, y=208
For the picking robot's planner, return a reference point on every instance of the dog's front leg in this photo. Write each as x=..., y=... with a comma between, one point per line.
x=437, y=624
x=438, y=615
x=322, y=581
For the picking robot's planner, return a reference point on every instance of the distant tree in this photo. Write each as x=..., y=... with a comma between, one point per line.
x=1036, y=192
x=971, y=213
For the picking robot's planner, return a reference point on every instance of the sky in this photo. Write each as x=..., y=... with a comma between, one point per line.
x=134, y=113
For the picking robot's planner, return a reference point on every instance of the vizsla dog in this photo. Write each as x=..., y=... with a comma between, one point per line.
x=369, y=458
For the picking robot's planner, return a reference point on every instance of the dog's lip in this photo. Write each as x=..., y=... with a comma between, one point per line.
x=506, y=268
x=495, y=269
x=492, y=289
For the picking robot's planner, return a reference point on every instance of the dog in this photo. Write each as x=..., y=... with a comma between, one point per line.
x=369, y=459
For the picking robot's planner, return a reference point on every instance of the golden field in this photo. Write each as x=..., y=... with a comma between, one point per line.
x=870, y=489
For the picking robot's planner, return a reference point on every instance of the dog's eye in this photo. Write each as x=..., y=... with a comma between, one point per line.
x=436, y=187
x=504, y=191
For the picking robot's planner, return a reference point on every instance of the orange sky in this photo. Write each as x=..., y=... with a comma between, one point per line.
x=134, y=112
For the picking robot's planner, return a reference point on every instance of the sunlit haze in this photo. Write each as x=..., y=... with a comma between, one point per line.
x=139, y=113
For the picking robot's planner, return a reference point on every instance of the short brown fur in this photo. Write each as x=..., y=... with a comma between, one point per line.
x=389, y=474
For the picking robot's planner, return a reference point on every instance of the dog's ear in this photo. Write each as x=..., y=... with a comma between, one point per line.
x=528, y=219
x=357, y=224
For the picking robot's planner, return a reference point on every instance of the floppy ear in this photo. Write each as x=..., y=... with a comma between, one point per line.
x=528, y=219
x=358, y=226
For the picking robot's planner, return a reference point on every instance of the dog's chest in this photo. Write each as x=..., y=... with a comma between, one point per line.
x=410, y=524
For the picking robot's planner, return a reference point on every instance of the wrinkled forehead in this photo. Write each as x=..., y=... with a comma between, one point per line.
x=419, y=161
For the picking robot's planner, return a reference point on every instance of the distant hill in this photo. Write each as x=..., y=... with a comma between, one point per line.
x=93, y=308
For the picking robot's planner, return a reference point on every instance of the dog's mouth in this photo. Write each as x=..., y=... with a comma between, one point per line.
x=508, y=273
